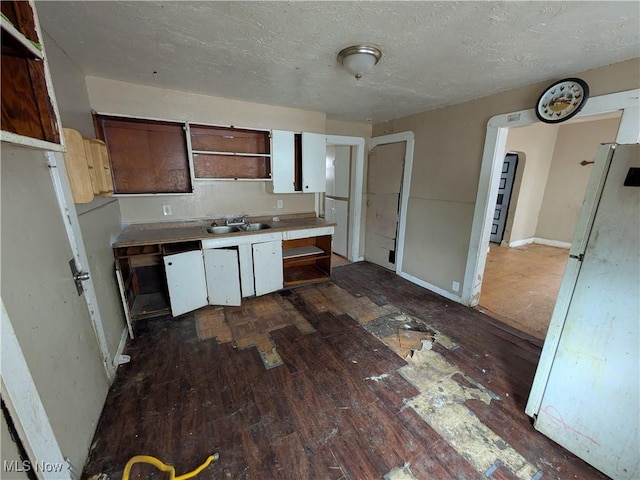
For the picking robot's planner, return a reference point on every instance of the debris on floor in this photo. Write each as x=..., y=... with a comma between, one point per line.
x=400, y=473
x=441, y=403
x=404, y=334
x=271, y=358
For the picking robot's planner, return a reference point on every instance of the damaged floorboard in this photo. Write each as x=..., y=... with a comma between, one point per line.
x=339, y=405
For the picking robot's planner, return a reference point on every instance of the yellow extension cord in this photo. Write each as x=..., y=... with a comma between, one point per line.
x=165, y=468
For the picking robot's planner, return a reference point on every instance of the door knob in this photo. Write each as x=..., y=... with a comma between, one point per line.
x=78, y=276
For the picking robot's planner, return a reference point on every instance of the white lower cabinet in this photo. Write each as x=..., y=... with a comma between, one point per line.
x=186, y=281
x=245, y=252
x=223, y=276
x=267, y=267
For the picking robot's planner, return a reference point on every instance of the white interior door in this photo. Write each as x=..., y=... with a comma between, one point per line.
x=384, y=186
x=186, y=281
x=591, y=398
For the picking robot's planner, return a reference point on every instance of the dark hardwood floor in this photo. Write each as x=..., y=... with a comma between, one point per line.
x=320, y=415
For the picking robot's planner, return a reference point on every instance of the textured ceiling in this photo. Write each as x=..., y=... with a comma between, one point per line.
x=283, y=53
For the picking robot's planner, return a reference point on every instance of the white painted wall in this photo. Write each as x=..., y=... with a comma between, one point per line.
x=211, y=198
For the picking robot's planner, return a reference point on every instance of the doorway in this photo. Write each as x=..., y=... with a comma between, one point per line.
x=384, y=188
x=396, y=227
x=352, y=232
x=543, y=216
x=337, y=195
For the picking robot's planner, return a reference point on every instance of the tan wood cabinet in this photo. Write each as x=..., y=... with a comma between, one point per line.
x=88, y=168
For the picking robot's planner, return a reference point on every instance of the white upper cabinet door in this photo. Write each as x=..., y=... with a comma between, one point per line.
x=186, y=281
x=223, y=276
x=314, y=162
x=267, y=267
x=282, y=161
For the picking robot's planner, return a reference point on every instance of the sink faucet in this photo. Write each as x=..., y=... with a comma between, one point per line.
x=237, y=221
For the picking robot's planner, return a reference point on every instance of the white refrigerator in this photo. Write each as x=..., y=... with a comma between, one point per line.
x=336, y=207
x=585, y=394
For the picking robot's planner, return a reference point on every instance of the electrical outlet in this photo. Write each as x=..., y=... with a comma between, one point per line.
x=279, y=204
x=455, y=286
x=166, y=209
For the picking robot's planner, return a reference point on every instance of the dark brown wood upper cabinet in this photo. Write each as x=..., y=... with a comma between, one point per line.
x=27, y=108
x=230, y=153
x=147, y=156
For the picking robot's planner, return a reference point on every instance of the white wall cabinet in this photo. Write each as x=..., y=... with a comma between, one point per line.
x=314, y=159
x=223, y=276
x=267, y=267
x=283, y=162
x=186, y=281
x=298, y=162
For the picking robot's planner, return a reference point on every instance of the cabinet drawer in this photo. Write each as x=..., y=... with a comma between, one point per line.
x=230, y=240
x=308, y=232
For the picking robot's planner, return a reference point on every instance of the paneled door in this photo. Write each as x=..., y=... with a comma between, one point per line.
x=384, y=186
x=504, y=197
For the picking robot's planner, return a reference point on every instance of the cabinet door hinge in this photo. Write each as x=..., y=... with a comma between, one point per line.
x=579, y=257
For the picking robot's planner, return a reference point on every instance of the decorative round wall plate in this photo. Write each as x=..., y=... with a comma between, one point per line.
x=562, y=100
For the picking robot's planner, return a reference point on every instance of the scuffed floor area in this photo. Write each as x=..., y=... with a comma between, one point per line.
x=378, y=378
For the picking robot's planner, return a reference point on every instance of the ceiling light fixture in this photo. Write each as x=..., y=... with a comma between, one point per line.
x=359, y=59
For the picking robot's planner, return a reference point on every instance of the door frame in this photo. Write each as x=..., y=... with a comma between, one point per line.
x=356, y=191
x=24, y=404
x=493, y=156
x=409, y=138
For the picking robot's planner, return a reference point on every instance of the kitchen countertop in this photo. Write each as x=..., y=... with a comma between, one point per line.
x=171, y=232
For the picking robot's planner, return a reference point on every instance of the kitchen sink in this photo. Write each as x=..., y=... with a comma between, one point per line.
x=219, y=229
x=252, y=227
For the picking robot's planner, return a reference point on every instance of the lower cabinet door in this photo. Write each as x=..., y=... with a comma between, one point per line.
x=267, y=267
x=186, y=281
x=223, y=276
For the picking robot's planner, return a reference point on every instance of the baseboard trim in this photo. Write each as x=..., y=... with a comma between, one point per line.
x=540, y=241
x=552, y=243
x=433, y=288
x=520, y=243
